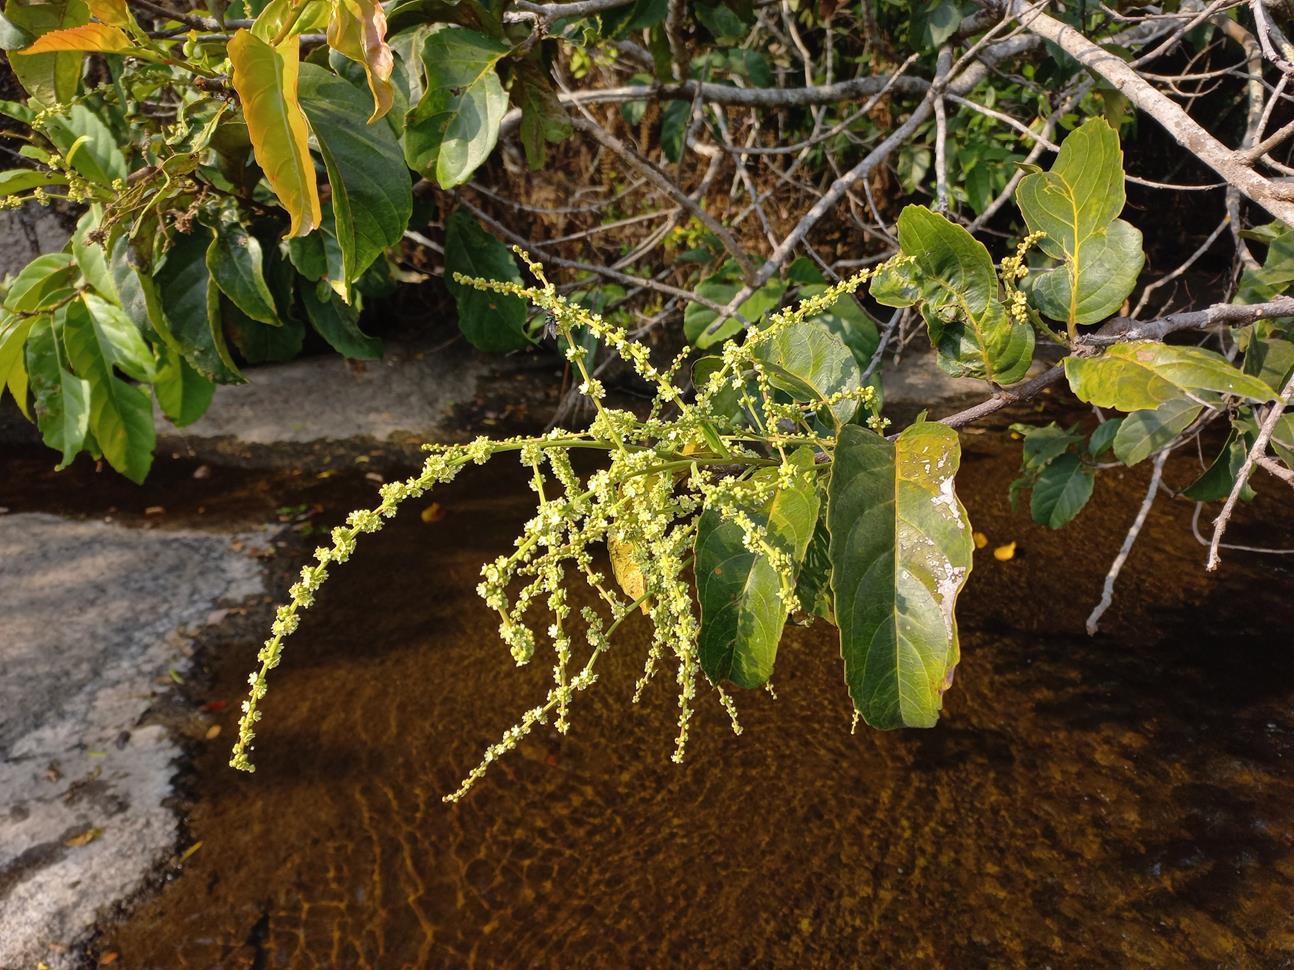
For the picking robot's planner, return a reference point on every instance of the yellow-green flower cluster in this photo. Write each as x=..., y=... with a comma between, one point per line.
x=641, y=505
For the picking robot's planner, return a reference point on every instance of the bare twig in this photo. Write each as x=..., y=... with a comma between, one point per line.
x=1242, y=477
x=1116, y=567
x=1005, y=397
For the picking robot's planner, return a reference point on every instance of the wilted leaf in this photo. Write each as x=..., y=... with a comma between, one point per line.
x=629, y=577
x=84, y=838
x=357, y=30
x=900, y=553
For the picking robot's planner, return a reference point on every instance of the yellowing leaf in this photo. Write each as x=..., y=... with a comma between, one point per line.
x=265, y=78
x=112, y=12
x=89, y=37
x=357, y=31
x=1004, y=553
x=626, y=571
x=85, y=838
x=981, y=540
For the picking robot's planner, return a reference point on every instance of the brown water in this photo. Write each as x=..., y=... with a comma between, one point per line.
x=1126, y=800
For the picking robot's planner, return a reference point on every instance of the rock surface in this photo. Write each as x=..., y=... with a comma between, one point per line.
x=91, y=630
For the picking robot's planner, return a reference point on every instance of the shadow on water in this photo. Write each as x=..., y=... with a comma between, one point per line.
x=1123, y=800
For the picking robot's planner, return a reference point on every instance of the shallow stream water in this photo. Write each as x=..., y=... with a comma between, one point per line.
x=1124, y=801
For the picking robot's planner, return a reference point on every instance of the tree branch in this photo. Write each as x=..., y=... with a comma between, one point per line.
x=1260, y=447
x=1179, y=125
x=1121, y=329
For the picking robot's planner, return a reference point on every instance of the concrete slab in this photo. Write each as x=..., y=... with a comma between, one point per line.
x=92, y=615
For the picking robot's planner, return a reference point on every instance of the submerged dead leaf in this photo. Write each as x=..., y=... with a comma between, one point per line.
x=1003, y=553
x=981, y=540
x=432, y=513
x=85, y=838
x=213, y=732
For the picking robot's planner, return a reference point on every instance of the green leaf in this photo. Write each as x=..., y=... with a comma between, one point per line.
x=900, y=553
x=813, y=585
x=1076, y=205
x=338, y=324
x=1061, y=491
x=810, y=364
x=62, y=399
x=18, y=180
x=90, y=257
x=1269, y=355
x=88, y=144
x=742, y=612
x=191, y=304
x=258, y=343
x=935, y=21
x=1143, y=433
x=136, y=291
x=265, y=78
x=121, y=414
x=957, y=288
x=456, y=124
x=1282, y=438
x=1142, y=374
x=492, y=322
x=121, y=344
x=1043, y=445
x=720, y=288
x=43, y=282
x=372, y=194
x=543, y=118
x=182, y=393
x=13, y=374
x=1220, y=477
x=234, y=261
x=49, y=78
x=848, y=321
x=1103, y=437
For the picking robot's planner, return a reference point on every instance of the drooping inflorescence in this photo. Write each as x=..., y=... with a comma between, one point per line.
x=690, y=452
